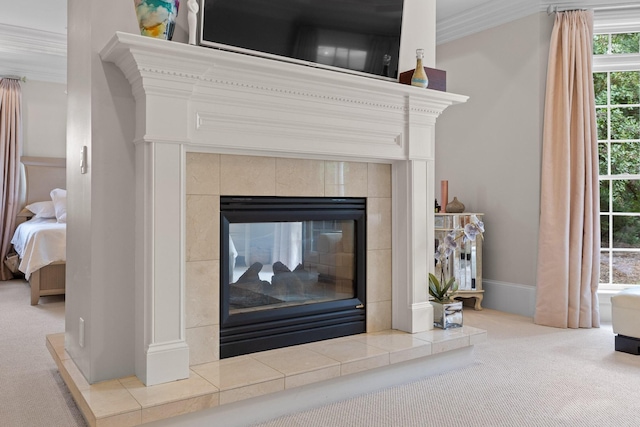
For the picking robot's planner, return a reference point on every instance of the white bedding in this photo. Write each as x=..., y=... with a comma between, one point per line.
x=39, y=242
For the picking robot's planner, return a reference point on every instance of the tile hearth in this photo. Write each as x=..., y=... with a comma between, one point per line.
x=128, y=402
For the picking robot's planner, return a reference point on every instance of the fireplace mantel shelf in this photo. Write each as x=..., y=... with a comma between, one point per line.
x=298, y=110
x=185, y=61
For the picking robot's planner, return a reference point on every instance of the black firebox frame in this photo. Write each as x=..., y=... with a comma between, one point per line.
x=244, y=333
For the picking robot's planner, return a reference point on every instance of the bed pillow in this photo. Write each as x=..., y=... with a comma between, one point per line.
x=59, y=198
x=42, y=209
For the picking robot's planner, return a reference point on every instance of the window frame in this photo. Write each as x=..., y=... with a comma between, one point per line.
x=606, y=64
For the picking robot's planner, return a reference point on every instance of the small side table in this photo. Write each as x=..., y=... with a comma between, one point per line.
x=467, y=259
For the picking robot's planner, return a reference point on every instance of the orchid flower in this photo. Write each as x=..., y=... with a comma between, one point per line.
x=471, y=230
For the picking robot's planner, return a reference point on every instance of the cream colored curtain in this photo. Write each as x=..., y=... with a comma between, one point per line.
x=569, y=238
x=10, y=148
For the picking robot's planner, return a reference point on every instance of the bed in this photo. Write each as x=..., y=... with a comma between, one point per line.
x=40, y=240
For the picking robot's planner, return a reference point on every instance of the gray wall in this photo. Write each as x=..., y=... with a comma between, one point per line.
x=490, y=148
x=44, y=119
x=100, y=204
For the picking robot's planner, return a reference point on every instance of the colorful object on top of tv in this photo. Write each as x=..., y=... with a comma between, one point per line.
x=157, y=18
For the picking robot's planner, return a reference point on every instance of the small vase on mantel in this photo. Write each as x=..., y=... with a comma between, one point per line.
x=455, y=206
x=157, y=18
x=419, y=77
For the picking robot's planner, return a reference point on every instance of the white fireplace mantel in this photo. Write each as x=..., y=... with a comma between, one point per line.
x=191, y=98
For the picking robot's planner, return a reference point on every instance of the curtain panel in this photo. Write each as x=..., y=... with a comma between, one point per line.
x=569, y=238
x=10, y=149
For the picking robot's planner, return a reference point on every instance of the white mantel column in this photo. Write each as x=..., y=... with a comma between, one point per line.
x=162, y=354
x=413, y=237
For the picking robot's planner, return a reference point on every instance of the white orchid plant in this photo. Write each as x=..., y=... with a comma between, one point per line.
x=444, y=291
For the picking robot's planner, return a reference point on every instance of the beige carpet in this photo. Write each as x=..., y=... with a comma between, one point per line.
x=32, y=392
x=525, y=375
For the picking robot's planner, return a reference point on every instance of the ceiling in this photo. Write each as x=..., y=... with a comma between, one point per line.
x=33, y=38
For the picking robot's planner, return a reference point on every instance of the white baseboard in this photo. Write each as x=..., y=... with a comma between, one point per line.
x=521, y=299
x=509, y=297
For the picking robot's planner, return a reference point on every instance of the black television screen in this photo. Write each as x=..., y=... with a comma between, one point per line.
x=360, y=36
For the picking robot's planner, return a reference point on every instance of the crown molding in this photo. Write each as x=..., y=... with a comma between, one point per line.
x=42, y=72
x=498, y=12
x=19, y=39
x=480, y=18
x=36, y=55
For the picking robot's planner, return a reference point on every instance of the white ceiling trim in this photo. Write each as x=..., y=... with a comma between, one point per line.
x=483, y=17
x=20, y=39
x=497, y=12
x=38, y=73
x=34, y=54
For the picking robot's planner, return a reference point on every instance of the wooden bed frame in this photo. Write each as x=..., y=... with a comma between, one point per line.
x=43, y=174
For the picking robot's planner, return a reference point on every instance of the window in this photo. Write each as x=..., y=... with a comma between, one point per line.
x=616, y=81
x=344, y=57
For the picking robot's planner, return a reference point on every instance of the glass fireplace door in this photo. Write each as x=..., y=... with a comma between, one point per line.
x=281, y=264
x=292, y=271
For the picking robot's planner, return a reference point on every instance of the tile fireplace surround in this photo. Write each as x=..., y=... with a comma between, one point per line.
x=208, y=176
x=211, y=123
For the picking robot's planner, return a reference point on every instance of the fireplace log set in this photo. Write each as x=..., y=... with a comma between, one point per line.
x=285, y=286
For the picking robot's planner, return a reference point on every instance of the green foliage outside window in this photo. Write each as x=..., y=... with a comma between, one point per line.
x=600, y=44
x=616, y=43
x=625, y=43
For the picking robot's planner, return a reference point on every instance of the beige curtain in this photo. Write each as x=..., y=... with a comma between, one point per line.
x=569, y=238
x=10, y=149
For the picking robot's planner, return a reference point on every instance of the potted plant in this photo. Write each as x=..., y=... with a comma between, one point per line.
x=447, y=311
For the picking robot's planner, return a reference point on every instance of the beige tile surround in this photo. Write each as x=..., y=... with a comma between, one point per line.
x=127, y=402
x=208, y=176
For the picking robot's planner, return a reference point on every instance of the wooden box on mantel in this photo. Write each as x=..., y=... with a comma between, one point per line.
x=437, y=78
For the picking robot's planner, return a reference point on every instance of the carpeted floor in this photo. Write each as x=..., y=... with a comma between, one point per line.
x=524, y=375
x=32, y=392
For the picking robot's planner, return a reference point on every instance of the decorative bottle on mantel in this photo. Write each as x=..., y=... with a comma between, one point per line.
x=419, y=77
x=386, y=61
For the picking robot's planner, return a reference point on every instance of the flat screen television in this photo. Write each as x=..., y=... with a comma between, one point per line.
x=357, y=36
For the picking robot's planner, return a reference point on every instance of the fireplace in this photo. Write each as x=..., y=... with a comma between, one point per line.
x=225, y=104
x=292, y=271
